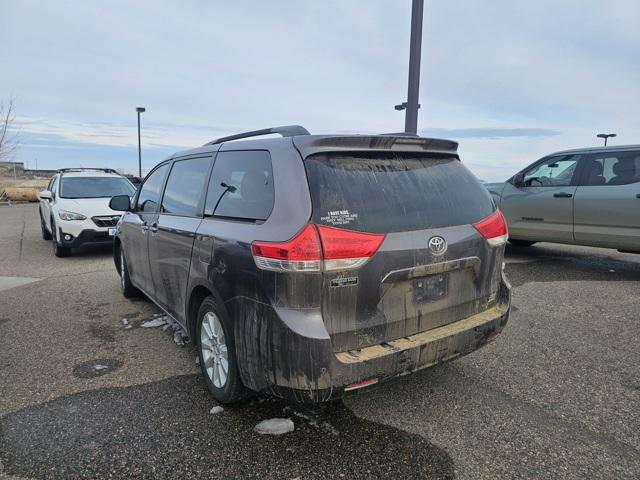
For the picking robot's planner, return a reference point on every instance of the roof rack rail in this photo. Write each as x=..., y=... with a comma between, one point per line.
x=285, y=131
x=83, y=169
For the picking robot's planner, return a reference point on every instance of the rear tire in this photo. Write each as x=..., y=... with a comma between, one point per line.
x=521, y=243
x=58, y=250
x=216, y=350
x=128, y=290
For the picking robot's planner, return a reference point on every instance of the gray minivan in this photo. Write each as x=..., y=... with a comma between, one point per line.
x=310, y=266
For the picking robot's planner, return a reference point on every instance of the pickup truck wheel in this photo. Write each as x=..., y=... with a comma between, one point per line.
x=58, y=250
x=521, y=243
x=128, y=290
x=46, y=235
x=216, y=349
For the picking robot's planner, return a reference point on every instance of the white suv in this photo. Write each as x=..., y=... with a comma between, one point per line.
x=74, y=209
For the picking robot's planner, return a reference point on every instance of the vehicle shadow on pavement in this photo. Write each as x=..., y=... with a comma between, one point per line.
x=164, y=430
x=550, y=265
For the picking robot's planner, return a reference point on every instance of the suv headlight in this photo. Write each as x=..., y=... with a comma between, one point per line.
x=64, y=215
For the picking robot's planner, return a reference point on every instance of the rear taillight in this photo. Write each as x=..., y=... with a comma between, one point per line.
x=300, y=254
x=317, y=248
x=344, y=249
x=493, y=229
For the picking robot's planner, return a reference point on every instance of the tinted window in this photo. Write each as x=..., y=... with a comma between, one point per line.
x=150, y=192
x=241, y=186
x=611, y=168
x=184, y=187
x=552, y=172
x=394, y=192
x=54, y=185
x=95, y=187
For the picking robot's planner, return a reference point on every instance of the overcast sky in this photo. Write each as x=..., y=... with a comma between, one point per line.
x=510, y=80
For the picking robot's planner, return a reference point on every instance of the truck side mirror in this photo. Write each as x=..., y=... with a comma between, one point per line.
x=518, y=180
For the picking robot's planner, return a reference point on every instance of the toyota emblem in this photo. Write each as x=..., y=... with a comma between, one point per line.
x=437, y=245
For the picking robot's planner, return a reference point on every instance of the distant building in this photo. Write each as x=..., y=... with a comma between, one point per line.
x=9, y=168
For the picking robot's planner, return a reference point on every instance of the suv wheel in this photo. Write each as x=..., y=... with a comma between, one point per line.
x=217, y=353
x=58, y=250
x=128, y=290
x=46, y=235
x=521, y=243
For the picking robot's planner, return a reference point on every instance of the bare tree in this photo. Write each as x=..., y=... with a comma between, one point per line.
x=8, y=133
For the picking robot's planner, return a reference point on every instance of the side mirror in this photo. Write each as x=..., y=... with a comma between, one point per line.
x=518, y=180
x=45, y=195
x=120, y=203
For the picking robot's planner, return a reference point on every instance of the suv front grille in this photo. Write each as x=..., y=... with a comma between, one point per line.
x=110, y=221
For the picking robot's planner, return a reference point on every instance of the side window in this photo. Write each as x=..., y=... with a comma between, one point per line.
x=149, y=196
x=185, y=186
x=611, y=168
x=241, y=186
x=553, y=172
x=54, y=185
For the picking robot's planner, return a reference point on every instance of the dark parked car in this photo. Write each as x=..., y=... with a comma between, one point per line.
x=310, y=266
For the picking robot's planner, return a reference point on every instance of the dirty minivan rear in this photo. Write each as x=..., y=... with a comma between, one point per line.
x=398, y=267
x=309, y=266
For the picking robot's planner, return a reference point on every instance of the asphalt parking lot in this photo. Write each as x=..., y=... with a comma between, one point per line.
x=82, y=395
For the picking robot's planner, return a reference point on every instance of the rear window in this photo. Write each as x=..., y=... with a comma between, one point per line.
x=394, y=192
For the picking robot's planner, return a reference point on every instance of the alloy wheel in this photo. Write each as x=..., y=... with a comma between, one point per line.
x=214, y=349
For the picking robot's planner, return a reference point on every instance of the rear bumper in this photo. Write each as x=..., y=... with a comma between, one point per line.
x=303, y=368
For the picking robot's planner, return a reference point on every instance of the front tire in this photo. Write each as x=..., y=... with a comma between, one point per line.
x=46, y=234
x=216, y=349
x=128, y=290
x=58, y=250
x=521, y=243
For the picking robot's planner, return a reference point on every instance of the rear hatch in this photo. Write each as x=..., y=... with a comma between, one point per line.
x=429, y=265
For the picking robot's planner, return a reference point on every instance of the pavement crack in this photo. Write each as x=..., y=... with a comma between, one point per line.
x=22, y=236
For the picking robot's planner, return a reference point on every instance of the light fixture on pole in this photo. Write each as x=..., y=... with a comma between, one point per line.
x=139, y=110
x=606, y=136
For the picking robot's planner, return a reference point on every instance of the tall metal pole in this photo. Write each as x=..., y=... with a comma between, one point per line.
x=139, y=110
x=139, y=149
x=411, y=115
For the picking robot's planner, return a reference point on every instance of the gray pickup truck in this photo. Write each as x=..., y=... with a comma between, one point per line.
x=588, y=196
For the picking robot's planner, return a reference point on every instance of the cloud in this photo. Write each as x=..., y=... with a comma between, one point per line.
x=490, y=133
x=209, y=69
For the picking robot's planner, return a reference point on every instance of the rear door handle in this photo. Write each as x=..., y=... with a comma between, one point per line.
x=563, y=195
x=637, y=195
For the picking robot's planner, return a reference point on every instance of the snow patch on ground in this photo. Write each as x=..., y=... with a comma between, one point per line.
x=274, y=426
x=166, y=322
x=156, y=322
x=99, y=366
x=216, y=409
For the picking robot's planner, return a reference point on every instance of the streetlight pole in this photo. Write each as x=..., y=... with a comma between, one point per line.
x=606, y=136
x=415, y=46
x=139, y=110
